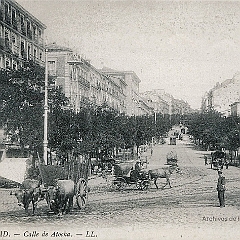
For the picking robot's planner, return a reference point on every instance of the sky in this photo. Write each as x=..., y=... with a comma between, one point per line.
x=184, y=48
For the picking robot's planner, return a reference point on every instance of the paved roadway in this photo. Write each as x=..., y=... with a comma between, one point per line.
x=189, y=210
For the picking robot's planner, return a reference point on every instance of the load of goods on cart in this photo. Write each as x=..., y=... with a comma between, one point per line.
x=172, y=158
x=218, y=159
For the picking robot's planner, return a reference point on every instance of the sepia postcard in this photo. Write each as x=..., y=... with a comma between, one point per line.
x=119, y=119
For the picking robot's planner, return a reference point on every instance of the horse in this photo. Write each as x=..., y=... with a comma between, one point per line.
x=164, y=172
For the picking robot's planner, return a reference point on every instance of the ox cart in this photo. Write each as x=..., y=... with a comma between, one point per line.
x=218, y=160
x=51, y=174
x=128, y=173
x=172, y=158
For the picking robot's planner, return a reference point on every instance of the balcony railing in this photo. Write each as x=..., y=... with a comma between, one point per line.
x=1, y=14
x=2, y=43
x=15, y=49
x=23, y=29
x=8, y=18
x=15, y=24
x=40, y=40
x=84, y=81
x=8, y=45
x=23, y=54
x=29, y=33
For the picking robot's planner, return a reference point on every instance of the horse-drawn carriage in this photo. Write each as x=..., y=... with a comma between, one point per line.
x=218, y=159
x=172, y=158
x=130, y=173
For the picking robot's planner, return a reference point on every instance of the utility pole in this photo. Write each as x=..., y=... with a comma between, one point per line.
x=45, y=140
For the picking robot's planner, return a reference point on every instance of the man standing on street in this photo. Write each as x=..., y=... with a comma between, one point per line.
x=205, y=160
x=221, y=188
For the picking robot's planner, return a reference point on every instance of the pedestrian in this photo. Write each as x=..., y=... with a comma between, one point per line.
x=151, y=151
x=227, y=163
x=205, y=160
x=221, y=188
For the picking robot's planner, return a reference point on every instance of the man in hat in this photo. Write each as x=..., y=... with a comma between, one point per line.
x=221, y=188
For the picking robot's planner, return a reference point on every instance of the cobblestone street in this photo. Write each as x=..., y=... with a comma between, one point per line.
x=188, y=210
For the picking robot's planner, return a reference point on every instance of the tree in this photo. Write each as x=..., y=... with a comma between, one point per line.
x=21, y=104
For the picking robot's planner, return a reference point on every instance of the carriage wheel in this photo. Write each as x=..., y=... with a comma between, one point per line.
x=138, y=184
x=81, y=193
x=144, y=184
x=120, y=183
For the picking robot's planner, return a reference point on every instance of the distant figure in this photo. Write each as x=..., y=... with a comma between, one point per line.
x=227, y=163
x=221, y=188
x=151, y=151
x=205, y=160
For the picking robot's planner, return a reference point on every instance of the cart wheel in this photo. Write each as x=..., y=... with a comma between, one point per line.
x=139, y=184
x=81, y=193
x=144, y=184
x=120, y=183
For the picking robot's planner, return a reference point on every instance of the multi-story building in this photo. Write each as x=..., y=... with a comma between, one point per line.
x=81, y=82
x=165, y=103
x=155, y=100
x=21, y=36
x=222, y=96
x=131, y=90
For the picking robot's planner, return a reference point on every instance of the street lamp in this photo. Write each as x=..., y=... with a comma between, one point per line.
x=45, y=140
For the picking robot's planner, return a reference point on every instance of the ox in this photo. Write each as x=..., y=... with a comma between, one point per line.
x=29, y=192
x=60, y=196
x=164, y=172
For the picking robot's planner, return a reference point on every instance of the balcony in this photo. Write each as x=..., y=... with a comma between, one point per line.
x=83, y=81
x=2, y=43
x=40, y=41
x=15, y=49
x=52, y=72
x=1, y=14
x=24, y=55
x=8, y=19
x=15, y=24
x=23, y=29
x=8, y=45
x=29, y=34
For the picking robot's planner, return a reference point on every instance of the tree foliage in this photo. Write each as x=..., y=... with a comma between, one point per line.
x=214, y=130
x=92, y=129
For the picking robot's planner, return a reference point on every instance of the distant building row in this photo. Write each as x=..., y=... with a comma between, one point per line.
x=83, y=84
x=21, y=39
x=224, y=97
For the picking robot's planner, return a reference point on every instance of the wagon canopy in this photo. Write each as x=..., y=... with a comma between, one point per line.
x=218, y=154
x=172, y=155
x=122, y=169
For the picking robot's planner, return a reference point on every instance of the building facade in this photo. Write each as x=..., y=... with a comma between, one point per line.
x=81, y=82
x=21, y=36
x=134, y=105
x=222, y=96
x=165, y=103
x=155, y=100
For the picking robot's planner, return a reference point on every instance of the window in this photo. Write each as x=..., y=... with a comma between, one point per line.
x=52, y=67
x=13, y=38
x=40, y=33
x=29, y=51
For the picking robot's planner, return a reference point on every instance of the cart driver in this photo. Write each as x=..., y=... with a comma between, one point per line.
x=135, y=172
x=138, y=166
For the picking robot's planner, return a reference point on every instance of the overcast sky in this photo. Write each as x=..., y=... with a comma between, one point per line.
x=182, y=47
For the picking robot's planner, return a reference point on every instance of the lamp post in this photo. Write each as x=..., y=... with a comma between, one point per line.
x=45, y=140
